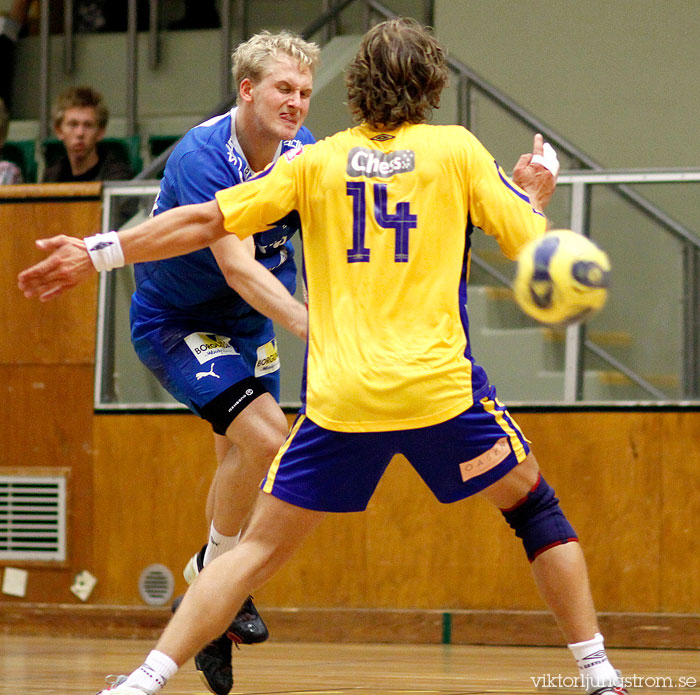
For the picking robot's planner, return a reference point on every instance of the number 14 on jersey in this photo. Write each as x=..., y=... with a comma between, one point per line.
x=402, y=221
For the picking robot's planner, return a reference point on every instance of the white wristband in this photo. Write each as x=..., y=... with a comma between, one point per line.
x=548, y=159
x=105, y=251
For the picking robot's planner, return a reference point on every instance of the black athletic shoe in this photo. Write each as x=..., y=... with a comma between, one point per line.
x=248, y=627
x=214, y=665
x=214, y=661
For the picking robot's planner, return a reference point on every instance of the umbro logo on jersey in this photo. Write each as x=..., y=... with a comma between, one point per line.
x=382, y=137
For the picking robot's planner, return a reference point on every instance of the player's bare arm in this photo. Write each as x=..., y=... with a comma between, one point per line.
x=172, y=233
x=257, y=285
x=536, y=173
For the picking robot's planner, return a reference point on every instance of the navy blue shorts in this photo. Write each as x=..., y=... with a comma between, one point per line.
x=215, y=368
x=332, y=471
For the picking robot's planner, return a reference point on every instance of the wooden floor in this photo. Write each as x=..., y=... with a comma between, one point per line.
x=45, y=665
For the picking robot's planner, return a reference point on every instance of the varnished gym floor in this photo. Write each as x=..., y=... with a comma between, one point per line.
x=44, y=665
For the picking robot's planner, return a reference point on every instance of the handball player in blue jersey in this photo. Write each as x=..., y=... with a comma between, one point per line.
x=201, y=322
x=388, y=209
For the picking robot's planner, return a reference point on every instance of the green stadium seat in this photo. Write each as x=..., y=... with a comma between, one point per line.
x=22, y=153
x=157, y=144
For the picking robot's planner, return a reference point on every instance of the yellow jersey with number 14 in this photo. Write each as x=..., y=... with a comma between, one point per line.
x=386, y=223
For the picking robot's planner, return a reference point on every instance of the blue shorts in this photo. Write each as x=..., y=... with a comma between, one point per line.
x=339, y=471
x=214, y=367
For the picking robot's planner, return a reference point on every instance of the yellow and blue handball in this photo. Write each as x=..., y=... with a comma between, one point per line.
x=561, y=278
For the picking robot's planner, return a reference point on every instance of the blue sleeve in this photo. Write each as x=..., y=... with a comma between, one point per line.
x=200, y=173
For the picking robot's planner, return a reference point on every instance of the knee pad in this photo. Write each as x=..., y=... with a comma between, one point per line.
x=539, y=521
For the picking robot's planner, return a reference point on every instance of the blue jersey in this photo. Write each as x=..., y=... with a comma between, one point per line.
x=209, y=158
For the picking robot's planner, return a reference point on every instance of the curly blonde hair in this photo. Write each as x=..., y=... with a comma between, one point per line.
x=251, y=58
x=397, y=75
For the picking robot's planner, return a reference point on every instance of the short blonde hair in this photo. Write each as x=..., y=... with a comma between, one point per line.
x=4, y=123
x=397, y=75
x=80, y=97
x=251, y=59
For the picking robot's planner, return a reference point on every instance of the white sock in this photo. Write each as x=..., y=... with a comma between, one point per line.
x=153, y=674
x=218, y=544
x=593, y=665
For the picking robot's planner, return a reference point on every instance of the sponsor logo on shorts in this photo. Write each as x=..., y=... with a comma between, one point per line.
x=365, y=162
x=486, y=461
x=268, y=359
x=201, y=375
x=208, y=346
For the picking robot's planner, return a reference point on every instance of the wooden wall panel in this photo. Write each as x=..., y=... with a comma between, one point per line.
x=604, y=467
x=46, y=368
x=426, y=554
x=46, y=422
x=151, y=477
x=679, y=467
x=408, y=551
x=62, y=331
x=330, y=569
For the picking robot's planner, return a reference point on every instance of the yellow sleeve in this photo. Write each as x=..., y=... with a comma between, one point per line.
x=257, y=204
x=498, y=206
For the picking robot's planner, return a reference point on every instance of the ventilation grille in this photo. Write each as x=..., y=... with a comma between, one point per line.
x=156, y=585
x=33, y=518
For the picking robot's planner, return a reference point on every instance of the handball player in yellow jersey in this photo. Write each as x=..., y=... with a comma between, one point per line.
x=387, y=211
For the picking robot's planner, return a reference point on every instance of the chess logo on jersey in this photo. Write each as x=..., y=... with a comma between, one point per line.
x=382, y=137
x=268, y=359
x=207, y=346
x=365, y=162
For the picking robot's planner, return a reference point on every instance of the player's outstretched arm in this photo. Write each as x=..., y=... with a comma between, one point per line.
x=173, y=233
x=536, y=173
x=257, y=285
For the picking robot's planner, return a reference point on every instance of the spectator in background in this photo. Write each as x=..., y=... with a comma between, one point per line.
x=9, y=172
x=79, y=119
x=10, y=27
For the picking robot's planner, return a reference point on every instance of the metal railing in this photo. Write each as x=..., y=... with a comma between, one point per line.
x=619, y=181
x=574, y=185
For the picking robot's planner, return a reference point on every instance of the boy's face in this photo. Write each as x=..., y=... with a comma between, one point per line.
x=80, y=131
